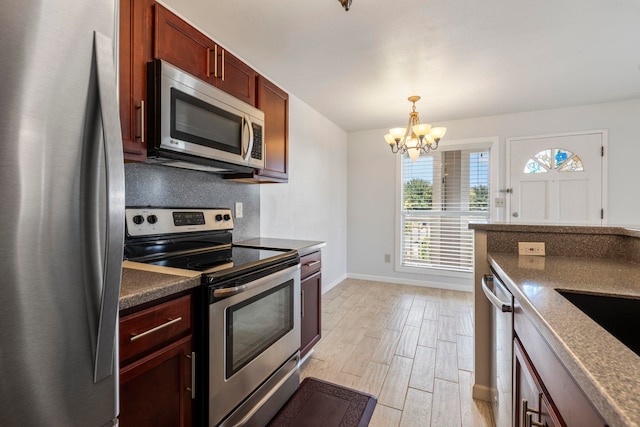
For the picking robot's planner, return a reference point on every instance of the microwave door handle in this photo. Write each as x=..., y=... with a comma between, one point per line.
x=249, y=145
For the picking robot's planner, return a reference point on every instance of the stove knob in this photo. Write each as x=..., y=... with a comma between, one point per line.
x=152, y=219
x=219, y=217
x=227, y=217
x=138, y=219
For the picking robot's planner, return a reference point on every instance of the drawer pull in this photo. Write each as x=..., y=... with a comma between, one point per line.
x=157, y=328
x=312, y=263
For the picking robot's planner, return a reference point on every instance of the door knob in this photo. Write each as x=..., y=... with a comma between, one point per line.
x=515, y=214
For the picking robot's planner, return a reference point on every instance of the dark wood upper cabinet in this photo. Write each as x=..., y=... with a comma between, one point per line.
x=180, y=44
x=150, y=31
x=136, y=32
x=234, y=76
x=274, y=102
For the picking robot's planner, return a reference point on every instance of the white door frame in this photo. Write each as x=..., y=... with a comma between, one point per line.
x=604, y=187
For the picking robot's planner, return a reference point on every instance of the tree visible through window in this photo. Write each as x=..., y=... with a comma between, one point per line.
x=442, y=192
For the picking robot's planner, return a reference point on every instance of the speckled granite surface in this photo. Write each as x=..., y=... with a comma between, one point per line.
x=302, y=246
x=606, y=370
x=562, y=240
x=140, y=286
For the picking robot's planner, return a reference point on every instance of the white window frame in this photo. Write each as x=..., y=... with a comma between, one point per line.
x=492, y=143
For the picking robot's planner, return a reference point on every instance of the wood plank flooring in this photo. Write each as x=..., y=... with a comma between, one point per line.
x=411, y=347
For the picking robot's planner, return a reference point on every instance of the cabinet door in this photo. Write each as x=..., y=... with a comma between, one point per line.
x=275, y=104
x=310, y=312
x=235, y=77
x=136, y=27
x=180, y=44
x=532, y=406
x=156, y=390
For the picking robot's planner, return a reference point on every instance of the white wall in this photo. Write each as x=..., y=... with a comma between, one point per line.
x=313, y=205
x=372, y=174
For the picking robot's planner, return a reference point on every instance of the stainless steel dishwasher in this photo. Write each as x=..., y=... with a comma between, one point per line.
x=502, y=346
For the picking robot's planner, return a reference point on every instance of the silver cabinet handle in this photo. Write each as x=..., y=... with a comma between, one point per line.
x=208, y=62
x=222, y=64
x=215, y=61
x=302, y=302
x=106, y=346
x=527, y=416
x=312, y=263
x=192, y=389
x=142, y=121
x=135, y=337
x=493, y=299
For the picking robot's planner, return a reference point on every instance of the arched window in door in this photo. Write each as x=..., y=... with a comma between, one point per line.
x=561, y=160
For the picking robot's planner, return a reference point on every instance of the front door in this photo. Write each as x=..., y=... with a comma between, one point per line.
x=556, y=179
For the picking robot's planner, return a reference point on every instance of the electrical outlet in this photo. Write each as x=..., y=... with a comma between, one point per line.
x=387, y=258
x=501, y=202
x=531, y=248
x=239, y=212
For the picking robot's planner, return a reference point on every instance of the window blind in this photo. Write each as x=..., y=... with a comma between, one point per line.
x=441, y=193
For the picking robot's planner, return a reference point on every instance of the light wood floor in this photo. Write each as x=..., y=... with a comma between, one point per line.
x=411, y=347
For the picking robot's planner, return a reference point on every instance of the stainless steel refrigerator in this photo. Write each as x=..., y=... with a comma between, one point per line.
x=61, y=213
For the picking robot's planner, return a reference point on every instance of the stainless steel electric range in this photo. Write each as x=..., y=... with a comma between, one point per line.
x=247, y=316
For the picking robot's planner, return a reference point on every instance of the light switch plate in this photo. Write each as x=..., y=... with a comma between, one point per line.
x=531, y=248
x=239, y=210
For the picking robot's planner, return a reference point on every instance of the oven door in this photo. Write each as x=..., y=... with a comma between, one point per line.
x=252, y=333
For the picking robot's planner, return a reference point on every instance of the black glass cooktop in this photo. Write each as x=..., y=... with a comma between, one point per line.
x=215, y=260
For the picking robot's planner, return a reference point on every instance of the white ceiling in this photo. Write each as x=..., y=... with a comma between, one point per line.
x=466, y=58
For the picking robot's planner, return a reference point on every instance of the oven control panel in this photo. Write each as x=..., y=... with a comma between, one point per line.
x=152, y=221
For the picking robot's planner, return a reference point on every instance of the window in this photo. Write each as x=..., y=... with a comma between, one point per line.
x=441, y=193
x=562, y=160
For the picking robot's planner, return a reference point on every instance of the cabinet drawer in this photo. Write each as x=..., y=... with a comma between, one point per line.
x=154, y=327
x=309, y=264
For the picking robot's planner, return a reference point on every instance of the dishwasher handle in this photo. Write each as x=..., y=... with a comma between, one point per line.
x=497, y=302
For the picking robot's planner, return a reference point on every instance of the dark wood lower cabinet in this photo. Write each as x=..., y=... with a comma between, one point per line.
x=156, y=390
x=310, y=301
x=532, y=405
x=311, y=322
x=541, y=378
x=156, y=364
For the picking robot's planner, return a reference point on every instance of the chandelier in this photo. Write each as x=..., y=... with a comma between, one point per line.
x=417, y=138
x=346, y=4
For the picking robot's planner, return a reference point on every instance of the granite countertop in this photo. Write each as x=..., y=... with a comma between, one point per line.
x=142, y=283
x=302, y=246
x=559, y=228
x=606, y=370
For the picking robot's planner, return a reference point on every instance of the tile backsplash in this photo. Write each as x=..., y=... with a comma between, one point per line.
x=164, y=186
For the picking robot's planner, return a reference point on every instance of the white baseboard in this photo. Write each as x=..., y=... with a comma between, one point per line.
x=423, y=283
x=326, y=287
x=482, y=392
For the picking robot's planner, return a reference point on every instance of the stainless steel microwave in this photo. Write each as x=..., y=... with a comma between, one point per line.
x=194, y=125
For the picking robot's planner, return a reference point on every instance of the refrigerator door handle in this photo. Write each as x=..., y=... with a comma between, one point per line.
x=114, y=169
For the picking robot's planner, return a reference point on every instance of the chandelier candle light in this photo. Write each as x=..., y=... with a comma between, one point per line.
x=418, y=138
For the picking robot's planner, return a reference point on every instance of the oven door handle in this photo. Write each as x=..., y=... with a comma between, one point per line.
x=229, y=292
x=497, y=302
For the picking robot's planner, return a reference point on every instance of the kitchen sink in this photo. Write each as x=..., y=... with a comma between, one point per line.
x=620, y=316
